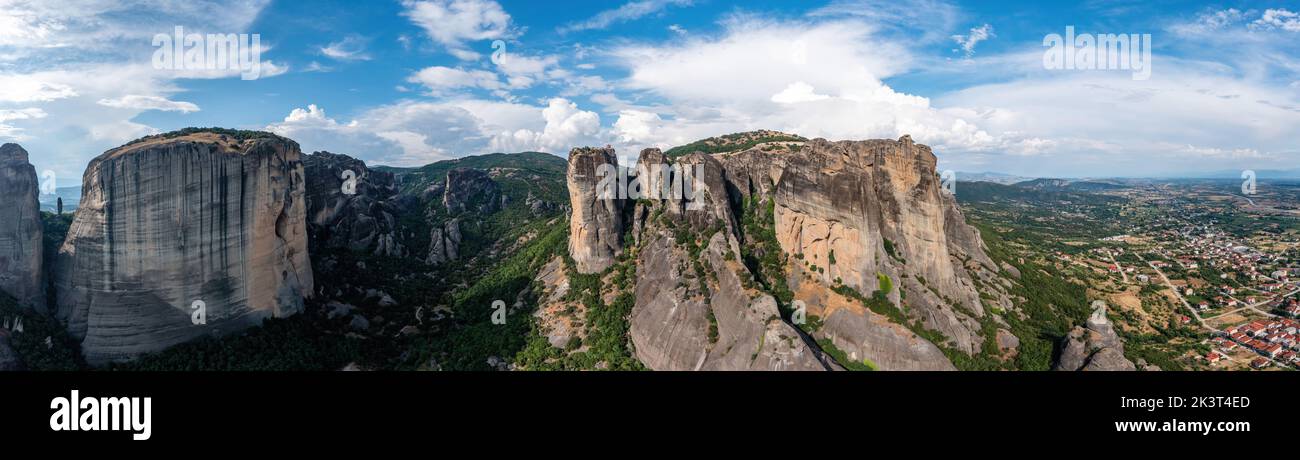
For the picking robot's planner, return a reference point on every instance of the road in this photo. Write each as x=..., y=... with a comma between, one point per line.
x=1178, y=294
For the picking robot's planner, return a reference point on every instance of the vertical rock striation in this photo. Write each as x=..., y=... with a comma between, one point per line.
x=596, y=225
x=171, y=220
x=21, y=232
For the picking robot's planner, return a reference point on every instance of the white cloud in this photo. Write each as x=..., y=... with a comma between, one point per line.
x=440, y=79
x=976, y=35
x=626, y=12
x=350, y=48
x=452, y=23
x=14, y=133
x=66, y=57
x=27, y=88
x=138, y=102
x=677, y=29
x=1279, y=18
x=812, y=78
x=797, y=92
x=415, y=133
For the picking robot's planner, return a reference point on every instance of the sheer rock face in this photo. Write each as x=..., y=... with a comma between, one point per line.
x=21, y=232
x=165, y=223
x=596, y=222
x=842, y=201
x=860, y=200
x=1095, y=348
x=350, y=206
x=670, y=324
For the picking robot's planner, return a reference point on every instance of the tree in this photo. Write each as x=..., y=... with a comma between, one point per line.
x=60, y=205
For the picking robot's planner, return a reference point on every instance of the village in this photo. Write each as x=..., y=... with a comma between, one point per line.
x=1240, y=288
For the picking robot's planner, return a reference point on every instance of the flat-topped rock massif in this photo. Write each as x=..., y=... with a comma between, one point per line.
x=864, y=216
x=172, y=220
x=21, y=232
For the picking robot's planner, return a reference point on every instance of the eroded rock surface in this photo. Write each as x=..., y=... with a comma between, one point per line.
x=350, y=206
x=596, y=221
x=21, y=233
x=1094, y=348
x=172, y=220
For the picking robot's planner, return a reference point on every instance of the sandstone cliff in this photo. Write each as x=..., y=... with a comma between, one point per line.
x=841, y=217
x=21, y=232
x=175, y=219
x=596, y=220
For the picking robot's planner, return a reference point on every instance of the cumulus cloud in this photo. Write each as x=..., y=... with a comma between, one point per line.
x=415, y=133
x=1279, y=19
x=452, y=23
x=626, y=12
x=29, y=88
x=816, y=79
x=138, y=102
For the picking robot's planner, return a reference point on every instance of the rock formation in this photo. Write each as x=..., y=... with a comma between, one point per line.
x=172, y=220
x=596, y=225
x=846, y=215
x=1096, y=348
x=350, y=206
x=444, y=243
x=693, y=310
x=470, y=190
x=21, y=232
x=875, y=208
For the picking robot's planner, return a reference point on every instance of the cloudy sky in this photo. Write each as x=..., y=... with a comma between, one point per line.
x=409, y=82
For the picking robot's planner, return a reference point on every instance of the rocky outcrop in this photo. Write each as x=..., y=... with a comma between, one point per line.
x=860, y=215
x=1094, y=348
x=444, y=243
x=21, y=233
x=350, y=206
x=695, y=311
x=677, y=324
x=173, y=220
x=863, y=210
x=595, y=223
x=470, y=190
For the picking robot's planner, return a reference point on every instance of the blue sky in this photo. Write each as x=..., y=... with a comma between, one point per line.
x=409, y=82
